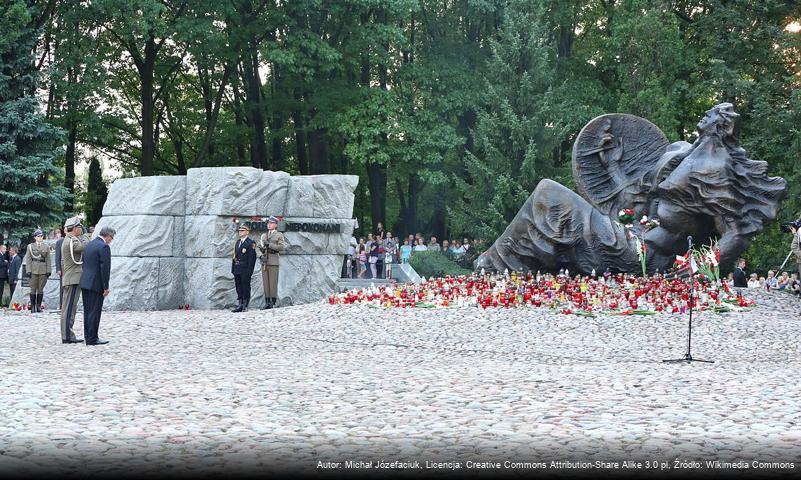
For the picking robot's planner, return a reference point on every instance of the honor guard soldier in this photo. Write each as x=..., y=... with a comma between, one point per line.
x=71, y=267
x=242, y=266
x=37, y=266
x=271, y=244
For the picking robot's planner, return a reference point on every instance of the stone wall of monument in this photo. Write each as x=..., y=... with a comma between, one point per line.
x=175, y=235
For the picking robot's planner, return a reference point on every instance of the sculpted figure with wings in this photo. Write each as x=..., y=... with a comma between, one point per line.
x=707, y=189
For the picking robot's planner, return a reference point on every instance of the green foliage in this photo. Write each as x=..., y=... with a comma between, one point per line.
x=96, y=193
x=28, y=144
x=450, y=113
x=435, y=264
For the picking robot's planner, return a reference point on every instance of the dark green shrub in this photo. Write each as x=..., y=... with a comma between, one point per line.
x=435, y=264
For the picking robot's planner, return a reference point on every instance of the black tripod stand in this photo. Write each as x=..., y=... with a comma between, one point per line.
x=688, y=356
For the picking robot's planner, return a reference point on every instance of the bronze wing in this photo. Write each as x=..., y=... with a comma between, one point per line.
x=612, y=155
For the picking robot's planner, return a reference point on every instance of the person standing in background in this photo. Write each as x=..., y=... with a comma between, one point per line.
x=242, y=266
x=390, y=249
x=94, y=283
x=740, y=279
x=71, y=267
x=37, y=265
x=4, y=268
x=13, y=272
x=349, y=264
x=361, y=254
x=406, y=251
x=271, y=244
x=372, y=255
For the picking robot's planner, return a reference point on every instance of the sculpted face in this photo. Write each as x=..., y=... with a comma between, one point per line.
x=709, y=122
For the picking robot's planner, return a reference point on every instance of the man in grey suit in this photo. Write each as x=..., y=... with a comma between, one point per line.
x=95, y=283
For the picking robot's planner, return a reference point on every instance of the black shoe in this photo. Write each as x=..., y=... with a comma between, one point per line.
x=33, y=302
x=268, y=304
x=272, y=303
x=245, y=306
x=73, y=340
x=238, y=308
x=99, y=341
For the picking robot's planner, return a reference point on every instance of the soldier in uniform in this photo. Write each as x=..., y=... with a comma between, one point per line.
x=242, y=266
x=37, y=265
x=270, y=244
x=71, y=267
x=59, y=243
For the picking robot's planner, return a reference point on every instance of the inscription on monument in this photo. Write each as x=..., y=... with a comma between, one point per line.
x=288, y=226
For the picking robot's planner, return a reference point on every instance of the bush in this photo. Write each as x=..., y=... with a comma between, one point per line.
x=435, y=264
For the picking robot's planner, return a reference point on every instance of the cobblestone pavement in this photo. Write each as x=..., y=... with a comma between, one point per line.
x=183, y=392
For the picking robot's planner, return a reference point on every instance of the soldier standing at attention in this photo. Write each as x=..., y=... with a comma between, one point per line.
x=59, y=243
x=37, y=265
x=242, y=266
x=71, y=267
x=270, y=244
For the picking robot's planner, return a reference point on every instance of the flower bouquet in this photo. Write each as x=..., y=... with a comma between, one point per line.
x=625, y=216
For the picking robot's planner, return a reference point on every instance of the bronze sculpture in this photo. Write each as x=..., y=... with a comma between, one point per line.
x=708, y=189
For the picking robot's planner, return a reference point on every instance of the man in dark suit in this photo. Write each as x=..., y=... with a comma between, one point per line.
x=13, y=271
x=95, y=283
x=242, y=266
x=740, y=278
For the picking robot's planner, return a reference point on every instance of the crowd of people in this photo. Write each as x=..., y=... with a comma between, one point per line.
x=83, y=267
x=374, y=255
x=786, y=281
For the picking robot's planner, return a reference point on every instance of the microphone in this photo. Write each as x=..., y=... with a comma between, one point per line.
x=690, y=241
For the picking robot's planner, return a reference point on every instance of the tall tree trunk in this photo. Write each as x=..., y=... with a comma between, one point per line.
x=438, y=220
x=207, y=149
x=377, y=182
x=410, y=219
x=208, y=109
x=148, y=141
x=318, y=152
x=278, y=163
x=240, y=125
x=69, y=164
x=258, y=145
x=179, y=156
x=300, y=139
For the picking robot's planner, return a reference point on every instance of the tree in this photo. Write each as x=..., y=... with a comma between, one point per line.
x=28, y=144
x=514, y=135
x=96, y=193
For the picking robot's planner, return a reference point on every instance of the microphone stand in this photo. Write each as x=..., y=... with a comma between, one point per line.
x=688, y=356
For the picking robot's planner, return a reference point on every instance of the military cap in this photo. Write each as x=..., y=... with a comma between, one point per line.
x=38, y=233
x=244, y=226
x=72, y=223
x=272, y=219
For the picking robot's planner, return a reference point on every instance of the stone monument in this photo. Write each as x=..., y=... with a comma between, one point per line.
x=708, y=189
x=175, y=235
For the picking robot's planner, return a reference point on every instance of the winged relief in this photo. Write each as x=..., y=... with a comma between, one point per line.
x=708, y=189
